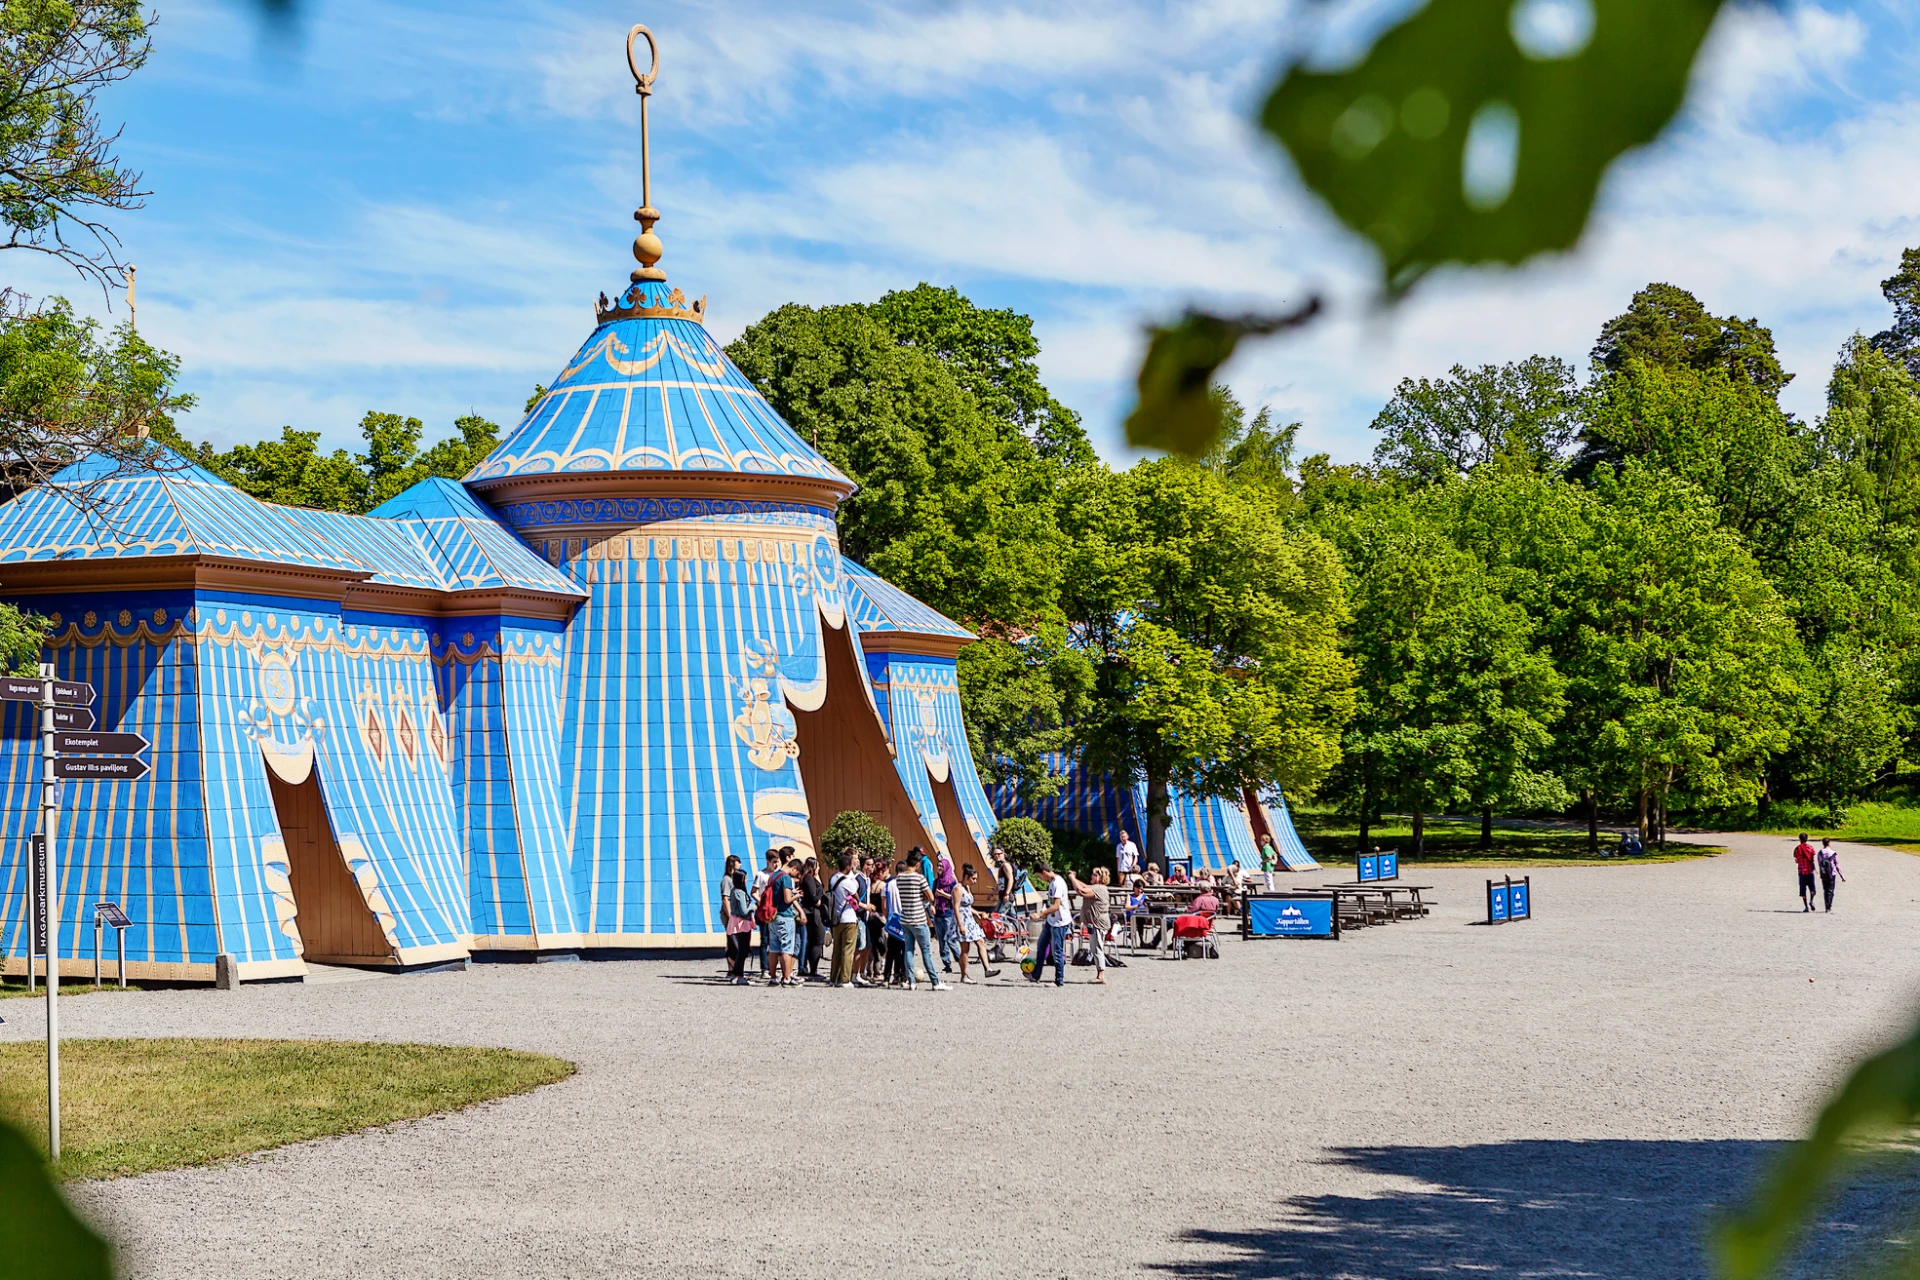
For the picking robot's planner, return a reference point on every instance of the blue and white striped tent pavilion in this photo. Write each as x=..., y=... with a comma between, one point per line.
x=534, y=712
x=1202, y=832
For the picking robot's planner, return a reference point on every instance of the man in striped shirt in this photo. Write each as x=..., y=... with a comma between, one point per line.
x=915, y=900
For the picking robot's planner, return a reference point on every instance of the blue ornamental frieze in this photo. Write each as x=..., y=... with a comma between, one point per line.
x=639, y=511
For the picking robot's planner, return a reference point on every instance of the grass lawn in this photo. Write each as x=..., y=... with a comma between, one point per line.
x=11, y=990
x=1896, y=826
x=133, y=1106
x=1331, y=839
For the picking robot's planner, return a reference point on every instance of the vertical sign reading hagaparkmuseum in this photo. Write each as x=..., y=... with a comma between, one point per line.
x=37, y=862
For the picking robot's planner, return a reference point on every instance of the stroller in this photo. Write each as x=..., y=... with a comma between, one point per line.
x=1006, y=929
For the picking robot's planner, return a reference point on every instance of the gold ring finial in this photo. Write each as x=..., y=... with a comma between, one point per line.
x=646, y=246
x=643, y=82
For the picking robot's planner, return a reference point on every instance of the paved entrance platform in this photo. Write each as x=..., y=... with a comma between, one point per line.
x=1564, y=1096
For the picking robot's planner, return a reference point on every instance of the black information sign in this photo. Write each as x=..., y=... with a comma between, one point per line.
x=99, y=768
x=38, y=858
x=68, y=693
x=72, y=718
x=117, y=743
x=112, y=914
x=72, y=693
x=20, y=689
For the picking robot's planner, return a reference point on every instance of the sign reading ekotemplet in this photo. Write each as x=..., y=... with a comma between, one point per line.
x=115, y=743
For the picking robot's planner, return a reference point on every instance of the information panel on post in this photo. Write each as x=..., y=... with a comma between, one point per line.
x=1509, y=899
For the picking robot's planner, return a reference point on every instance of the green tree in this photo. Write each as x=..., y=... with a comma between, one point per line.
x=1021, y=698
x=67, y=391
x=858, y=832
x=1456, y=703
x=954, y=505
x=1253, y=451
x=1872, y=429
x=1027, y=842
x=58, y=172
x=1667, y=327
x=1901, y=340
x=1685, y=674
x=293, y=471
x=1213, y=633
x=1715, y=431
x=993, y=355
x=1854, y=727
x=1521, y=414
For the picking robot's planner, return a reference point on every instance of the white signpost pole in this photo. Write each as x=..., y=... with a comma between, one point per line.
x=49, y=807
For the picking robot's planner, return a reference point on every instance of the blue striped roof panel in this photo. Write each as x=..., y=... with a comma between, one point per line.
x=653, y=394
x=879, y=606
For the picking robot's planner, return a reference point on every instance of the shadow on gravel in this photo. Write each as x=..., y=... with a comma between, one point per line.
x=1632, y=1210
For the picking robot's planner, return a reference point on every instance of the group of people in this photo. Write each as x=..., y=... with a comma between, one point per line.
x=1129, y=863
x=1825, y=861
x=880, y=915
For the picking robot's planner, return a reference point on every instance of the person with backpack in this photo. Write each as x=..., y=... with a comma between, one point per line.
x=778, y=916
x=739, y=908
x=845, y=894
x=761, y=878
x=1828, y=863
x=945, y=930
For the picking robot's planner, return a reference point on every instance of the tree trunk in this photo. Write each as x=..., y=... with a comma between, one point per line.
x=1157, y=821
x=1640, y=814
x=1419, y=831
x=1486, y=827
x=1593, y=824
x=1366, y=799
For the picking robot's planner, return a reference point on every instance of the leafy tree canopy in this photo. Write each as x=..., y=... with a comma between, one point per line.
x=1667, y=327
x=57, y=167
x=293, y=471
x=1901, y=341
x=1522, y=414
x=1213, y=633
x=955, y=505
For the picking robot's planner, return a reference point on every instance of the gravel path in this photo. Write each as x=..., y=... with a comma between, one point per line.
x=1565, y=1096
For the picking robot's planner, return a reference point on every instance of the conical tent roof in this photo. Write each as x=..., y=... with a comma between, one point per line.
x=651, y=391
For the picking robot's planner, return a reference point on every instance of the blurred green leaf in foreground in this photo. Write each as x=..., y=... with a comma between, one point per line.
x=1475, y=131
x=39, y=1235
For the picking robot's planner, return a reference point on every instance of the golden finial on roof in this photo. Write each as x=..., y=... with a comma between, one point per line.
x=646, y=246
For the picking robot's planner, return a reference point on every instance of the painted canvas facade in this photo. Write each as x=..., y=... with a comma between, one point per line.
x=533, y=712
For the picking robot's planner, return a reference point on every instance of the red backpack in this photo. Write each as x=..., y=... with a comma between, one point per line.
x=767, y=909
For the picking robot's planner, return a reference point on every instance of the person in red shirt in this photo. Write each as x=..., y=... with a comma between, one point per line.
x=1803, y=859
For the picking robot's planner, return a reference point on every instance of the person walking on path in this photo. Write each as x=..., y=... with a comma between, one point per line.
x=971, y=936
x=1126, y=855
x=1803, y=857
x=914, y=901
x=739, y=925
x=1097, y=916
x=1053, y=927
x=1828, y=861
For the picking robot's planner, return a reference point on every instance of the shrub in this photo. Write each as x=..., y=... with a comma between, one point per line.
x=1026, y=841
x=858, y=830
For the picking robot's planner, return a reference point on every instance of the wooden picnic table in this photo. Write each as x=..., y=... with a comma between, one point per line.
x=1414, y=908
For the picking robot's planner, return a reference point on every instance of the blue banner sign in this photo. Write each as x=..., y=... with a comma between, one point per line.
x=1377, y=866
x=1290, y=918
x=1509, y=899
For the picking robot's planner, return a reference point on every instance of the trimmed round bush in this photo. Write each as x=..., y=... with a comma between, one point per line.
x=1026, y=842
x=856, y=830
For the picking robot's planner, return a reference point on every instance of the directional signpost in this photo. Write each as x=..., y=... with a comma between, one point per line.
x=68, y=753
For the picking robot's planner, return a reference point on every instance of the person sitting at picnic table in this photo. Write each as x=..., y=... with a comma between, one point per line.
x=1207, y=904
x=1136, y=901
x=1177, y=874
x=1153, y=875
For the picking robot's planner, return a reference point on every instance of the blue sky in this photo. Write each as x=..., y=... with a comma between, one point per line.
x=412, y=208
